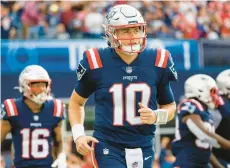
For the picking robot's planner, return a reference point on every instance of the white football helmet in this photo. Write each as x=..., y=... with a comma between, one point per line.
x=204, y=88
x=124, y=16
x=223, y=82
x=34, y=73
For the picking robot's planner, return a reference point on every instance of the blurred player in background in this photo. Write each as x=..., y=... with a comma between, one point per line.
x=223, y=83
x=129, y=82
x=35, y=122
x=195, y=134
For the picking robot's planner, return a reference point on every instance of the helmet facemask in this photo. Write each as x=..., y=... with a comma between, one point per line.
x=129, y=49
x=34, y=74
x=40, y=98
x=121, y=17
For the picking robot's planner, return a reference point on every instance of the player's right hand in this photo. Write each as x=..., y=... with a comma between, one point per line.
x=82, y=145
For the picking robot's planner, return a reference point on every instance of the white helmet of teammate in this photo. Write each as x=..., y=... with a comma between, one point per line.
x=34, y=73
x=204, y=88
x=124, y=16
x=223, y=82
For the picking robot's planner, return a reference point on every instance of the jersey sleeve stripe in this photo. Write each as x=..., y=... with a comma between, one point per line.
x=162, y=58
x=98, y=58
x=62, y=109
x=93, y=157
x=93, y=57
x=55, y=107
x=197, y=104
x=91, y=66
x=11, y=108
x=58, y=108
x=158, y=57
x=166, y=59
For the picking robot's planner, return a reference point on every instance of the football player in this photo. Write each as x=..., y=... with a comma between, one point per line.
x=131, y=84
x=35, y=122
x=195, y=134
x=223, y=83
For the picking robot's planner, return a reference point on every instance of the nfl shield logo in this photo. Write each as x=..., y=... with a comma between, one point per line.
x=135, y=165
x=36, y=118
x=105, y=151
x=129, y=69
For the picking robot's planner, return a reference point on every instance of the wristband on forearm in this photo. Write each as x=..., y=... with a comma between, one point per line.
x=162, y=116
x=77, y=131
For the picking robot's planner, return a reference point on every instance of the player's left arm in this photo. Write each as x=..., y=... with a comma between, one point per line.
x=57, y=141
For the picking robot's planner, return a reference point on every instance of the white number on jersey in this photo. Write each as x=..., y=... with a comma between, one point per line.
x=31, y=141
x=130, y=102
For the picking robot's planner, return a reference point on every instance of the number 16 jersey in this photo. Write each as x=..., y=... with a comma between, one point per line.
x=32, y=133
x=118, y=88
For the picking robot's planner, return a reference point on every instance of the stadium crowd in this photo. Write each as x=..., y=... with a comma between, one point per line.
x=83, y=19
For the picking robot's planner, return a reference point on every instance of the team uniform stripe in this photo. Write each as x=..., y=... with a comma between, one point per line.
x=62, y=109
x=89, y=60
x=198, y=105
x=162, y=58
x=166, y=59
x=7, y=108
x=93, y=57
x=11, y=108
x=98, y=58
x=158, y=57
x=93, y=157
x=55, y=107
x=160, y=64
x=58, y=108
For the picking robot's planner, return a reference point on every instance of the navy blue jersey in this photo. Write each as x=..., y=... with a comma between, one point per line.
x=190, y=151
x=118, y=88
x=224, y=130
x=32, y=132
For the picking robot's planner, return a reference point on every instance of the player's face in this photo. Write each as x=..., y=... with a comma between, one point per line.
x=133, y=33
x=38, y=87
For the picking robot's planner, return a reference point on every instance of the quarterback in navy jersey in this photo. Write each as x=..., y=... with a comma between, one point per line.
x=195, y=132
x=223, y=83
x=132, y=93
x=34, y=121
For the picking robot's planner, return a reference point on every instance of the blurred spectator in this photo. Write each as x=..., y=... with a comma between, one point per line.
x=53, y=19
x=93, y=22
x=30, y=19
x=83, y=19
x=225, y=21
x=6, y=22
x=61, y=33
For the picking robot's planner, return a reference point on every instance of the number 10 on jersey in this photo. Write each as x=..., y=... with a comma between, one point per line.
x=124, y=101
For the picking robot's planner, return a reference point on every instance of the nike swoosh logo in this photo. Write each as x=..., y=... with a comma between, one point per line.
x=146, y=158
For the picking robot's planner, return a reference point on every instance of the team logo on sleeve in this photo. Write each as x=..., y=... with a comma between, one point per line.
x=173, y=70
x=171, y=67
x=3, y=112
x=80, y=71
